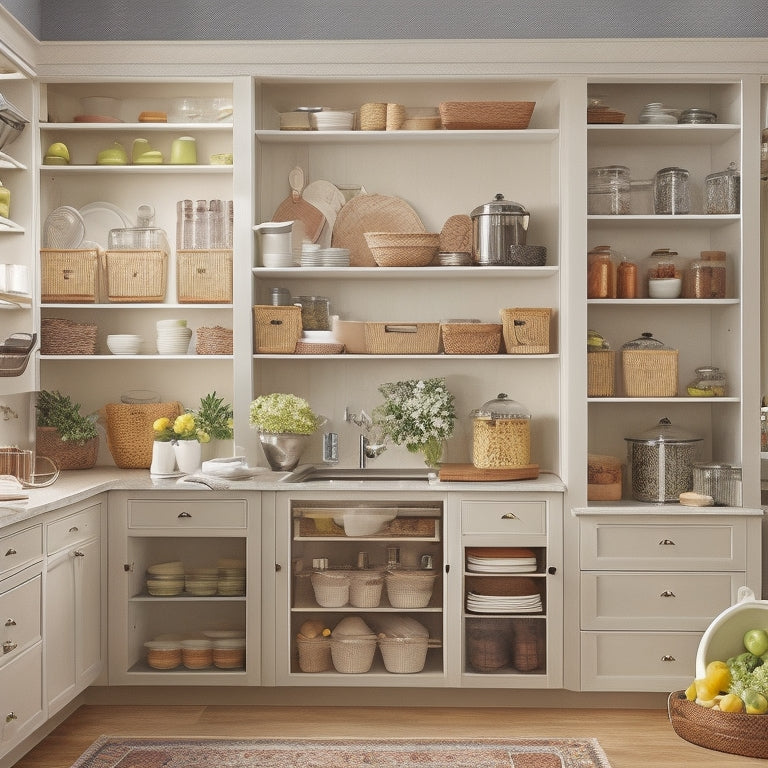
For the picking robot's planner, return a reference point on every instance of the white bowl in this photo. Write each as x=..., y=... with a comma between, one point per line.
x=124, y=344
x=665, y=288
x=366, y=522
x=171, y=323
x=332, y=120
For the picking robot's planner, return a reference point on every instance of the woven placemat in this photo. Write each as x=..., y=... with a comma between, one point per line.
x=456, y=235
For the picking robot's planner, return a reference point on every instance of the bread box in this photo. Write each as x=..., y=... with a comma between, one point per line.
x=604, y=478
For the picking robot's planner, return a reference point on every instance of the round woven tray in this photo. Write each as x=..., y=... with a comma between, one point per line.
x=456, y=234
x=402, y=249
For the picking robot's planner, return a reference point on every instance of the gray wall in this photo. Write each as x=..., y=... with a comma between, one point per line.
x=383, y=19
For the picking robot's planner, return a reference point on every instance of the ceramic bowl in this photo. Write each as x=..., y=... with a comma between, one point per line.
x=124, y=344
x=665, y=288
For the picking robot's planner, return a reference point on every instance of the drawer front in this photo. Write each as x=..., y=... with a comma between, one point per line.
x=22, y=701
x=663, y=601
x=188, y=515
x=20, y=622
x=507, y=517
x=666, y=547
x=80, y=526
x=20, y=549
x=638, y=661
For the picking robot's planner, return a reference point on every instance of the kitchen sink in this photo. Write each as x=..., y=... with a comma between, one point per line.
x=307, y=474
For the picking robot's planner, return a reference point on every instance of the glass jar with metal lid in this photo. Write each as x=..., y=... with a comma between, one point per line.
x=608, y=189
x=710, y=381
x=723, y=191
x=696, y=115
x=671, y=194
x=501, y=434
x=664, y=270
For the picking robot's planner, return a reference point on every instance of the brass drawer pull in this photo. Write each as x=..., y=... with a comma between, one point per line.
x=73, y=529
x=10, y=717
x=667, y=593
x=10, y=623
x=9, y=646
x=666, y=543
x=10, y=552
x=668, y=657
x=509, y=516
x=184, y=514
x=78, y=553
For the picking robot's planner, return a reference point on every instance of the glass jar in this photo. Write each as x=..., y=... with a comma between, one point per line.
x=707, y=276
x=656, y=114
x=641, y=197
x=710, y=381
x=315, y=312
x=608, y=190
x=501, y=434
x=664, y=274
x=697, y=116
x=721, y=482
x=601, y=273
x=626, y=279
x=280, y=297
x=671, y=194
x=723, y=191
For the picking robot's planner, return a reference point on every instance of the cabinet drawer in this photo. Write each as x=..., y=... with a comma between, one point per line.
x=664, y=601
x=20, y=549
x=638, y=661
x=80, y=526
x=508, y=517
x=662, y=546
x=20, y=612
x=22, y=702
x=188, y=515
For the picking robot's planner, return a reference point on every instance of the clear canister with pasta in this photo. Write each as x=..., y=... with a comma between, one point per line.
x=501, y=434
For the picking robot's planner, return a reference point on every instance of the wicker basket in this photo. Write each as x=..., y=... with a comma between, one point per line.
x=353, y=654
x=129, y=431
x=403, y=249
x=526, y=330
x=314, y=654
x=373, y=116
x=365, y=589
x=214, y=340
x=484, y=115
x=331, y=588
x=59, y=336
x=471, y=338
x=18, y=462
x=204, y=277
x=409, y=589
x=135, y=276
x=395, y=117
x=68, y=275
x=736, y=733
x=276, y=329
x=489, y=644
x=402, y=338
x=601, y=373
x=404, y=655
x=318, y=348
x=649, y=372
x=66, y=455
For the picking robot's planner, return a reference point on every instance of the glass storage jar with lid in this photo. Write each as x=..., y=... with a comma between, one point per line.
x=315, y=312
x=501, y=434
x=723, y=191
x=608, y=190
x=664, y=270
x=710, y=381
x=656, y=113
x=671, y=193
x=601, y=273
x=707, y=276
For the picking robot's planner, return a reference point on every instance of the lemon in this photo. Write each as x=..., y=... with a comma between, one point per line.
x=718, y=675
x=690, y=692
x=705, y=690
x=755, y=702
x=731, y=703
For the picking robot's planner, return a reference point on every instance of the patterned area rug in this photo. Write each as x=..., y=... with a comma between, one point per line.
x=116, y=752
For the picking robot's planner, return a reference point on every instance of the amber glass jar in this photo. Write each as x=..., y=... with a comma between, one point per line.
x=707, y=276
x=601, y=273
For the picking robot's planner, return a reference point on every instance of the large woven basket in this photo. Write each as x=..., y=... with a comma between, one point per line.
x=314, y=654
x=135, y=276
x=353, y=654
x=66, y=455
x=365, y=589
x=410, y=590
x=214, y=340
x=276, y=329
x=471, y=338
x=129, y=431
x=68, y=275
x=484, y=115
x=601, y=373
x=526, y=330
x=402, y=338
x=59, y=336
x=649, y=372
x=403, y=249
x=404, y=655
x=204, y=277
x=331, y=588
x=736, y=733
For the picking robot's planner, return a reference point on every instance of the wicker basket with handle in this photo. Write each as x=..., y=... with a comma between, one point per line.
x=526, y=330
x=276, y=329
x=314, y=654
x=135, y=276
x=204, y=277
x=402, y=338
x=214, y=340
x=66, y=454
x=68, y=275
x=471, y=338
x=129, y=431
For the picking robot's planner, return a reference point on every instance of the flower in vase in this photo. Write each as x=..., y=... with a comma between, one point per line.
x=280, y=413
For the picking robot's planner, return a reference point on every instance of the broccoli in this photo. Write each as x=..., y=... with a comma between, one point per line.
x=748, y=672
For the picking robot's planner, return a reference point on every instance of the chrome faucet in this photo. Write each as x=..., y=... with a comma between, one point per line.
x=368, y=449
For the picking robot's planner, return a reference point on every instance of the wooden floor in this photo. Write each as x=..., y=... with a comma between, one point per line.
x=630, y=738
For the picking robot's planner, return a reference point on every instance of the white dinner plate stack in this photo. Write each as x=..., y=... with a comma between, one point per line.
x=503, y=603
x=173, y=337
x=165, y=579
x=501, y=560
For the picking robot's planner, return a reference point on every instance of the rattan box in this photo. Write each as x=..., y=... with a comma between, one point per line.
x=402, y=338
x=204, y=277
x=214, y=340
x=649, y=372
x=135, y=276
x=485, y=115
x=59, y=336
x=601, y=373
x=526, y=330
x=68, y=275
x=276, y=329
x=471, y=338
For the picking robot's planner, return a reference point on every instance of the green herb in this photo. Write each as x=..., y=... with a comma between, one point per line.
x=58, y=411
x=215, y=417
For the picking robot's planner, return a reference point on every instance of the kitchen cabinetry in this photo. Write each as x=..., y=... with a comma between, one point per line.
x=75, y=601
x=203, y=531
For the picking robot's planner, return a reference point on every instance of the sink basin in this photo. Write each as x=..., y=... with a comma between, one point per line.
x=307, y=474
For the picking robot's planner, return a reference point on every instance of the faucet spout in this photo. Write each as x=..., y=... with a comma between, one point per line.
x=369, y=450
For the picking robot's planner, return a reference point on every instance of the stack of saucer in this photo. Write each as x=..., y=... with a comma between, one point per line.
x=165, y=579
x=334, y=257
x=231, y=577
x=503, y=603
x=201, y=582
x=173, y=337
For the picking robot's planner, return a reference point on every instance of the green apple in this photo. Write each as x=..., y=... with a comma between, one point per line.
x=58, y=149
x=756, y=641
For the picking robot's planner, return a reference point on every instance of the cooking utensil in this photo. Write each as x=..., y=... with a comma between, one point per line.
x=296, y=208
x=12, y=122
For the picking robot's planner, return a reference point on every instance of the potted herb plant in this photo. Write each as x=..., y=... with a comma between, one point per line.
x=64, y=435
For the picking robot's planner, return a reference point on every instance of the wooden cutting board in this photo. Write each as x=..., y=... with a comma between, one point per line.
x=471, y=473
x=296, y=208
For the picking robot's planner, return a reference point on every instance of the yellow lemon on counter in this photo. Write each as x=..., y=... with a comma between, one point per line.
x=690, y=692
x=731, y=703
x=718, y=675
x=705, y=690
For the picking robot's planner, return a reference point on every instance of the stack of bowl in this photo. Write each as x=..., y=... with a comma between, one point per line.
x=231, y=577
x=332, y=120
x=123, y=343
x=201, y=582
x=165, y=579
x=173, y=337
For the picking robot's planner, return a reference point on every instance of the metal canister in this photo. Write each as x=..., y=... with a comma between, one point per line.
x=496, y=226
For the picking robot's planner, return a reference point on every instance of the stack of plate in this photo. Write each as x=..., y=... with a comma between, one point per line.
x=231, y=574
x=501, y=560
x=201, y=582
x=165, y=579
x=324, y=257
x=173, y=337
x=332, y=120
x=503, y=603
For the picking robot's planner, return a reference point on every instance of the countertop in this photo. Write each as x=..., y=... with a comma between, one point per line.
x=77, y=485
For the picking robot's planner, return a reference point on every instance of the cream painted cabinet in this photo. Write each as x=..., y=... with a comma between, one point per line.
x=75, y=607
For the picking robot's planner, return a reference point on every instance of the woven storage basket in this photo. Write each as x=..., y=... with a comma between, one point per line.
x=318, y=348
x=18, y=462
x=365, y=589
x=489, y=644
x=65, y=455
x=471, y=338
x=402, y=338
x=649, y=372
x=409, y=589
x=314, y=654
x=373, y=116
x=484, y=115
x=736, y=733
x=129, y=431
x=526, y=330
x=331, y=588
x=601, y=373
x=276, y=329
x=214, y=340
x=353, y=655
x=59, y=336
x=395, y=117
x=404, y=655
x=68, y=275
x=135, y=276
x=403, y=249
x=204, y=277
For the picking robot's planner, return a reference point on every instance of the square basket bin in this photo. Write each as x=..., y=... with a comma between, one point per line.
x=601, y=373
x=276, y=329
x=135, y=276
x=526, y=330
x=204, y=277
x=402, y=338
x=649, y=372
x=68, y=276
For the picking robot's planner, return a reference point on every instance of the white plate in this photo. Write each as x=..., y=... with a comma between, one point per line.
x=64, y=228
x=99, y=218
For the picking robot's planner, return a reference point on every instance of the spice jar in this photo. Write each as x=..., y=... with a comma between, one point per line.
x=664, y=274
x=671, y=195
x=661, y=460
x=707, y=276
x=608, y=190
x=315, y=312
x=709, y=382
x=723, y=191
x=626, y=279
x=501, y=434
x=601, y=273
